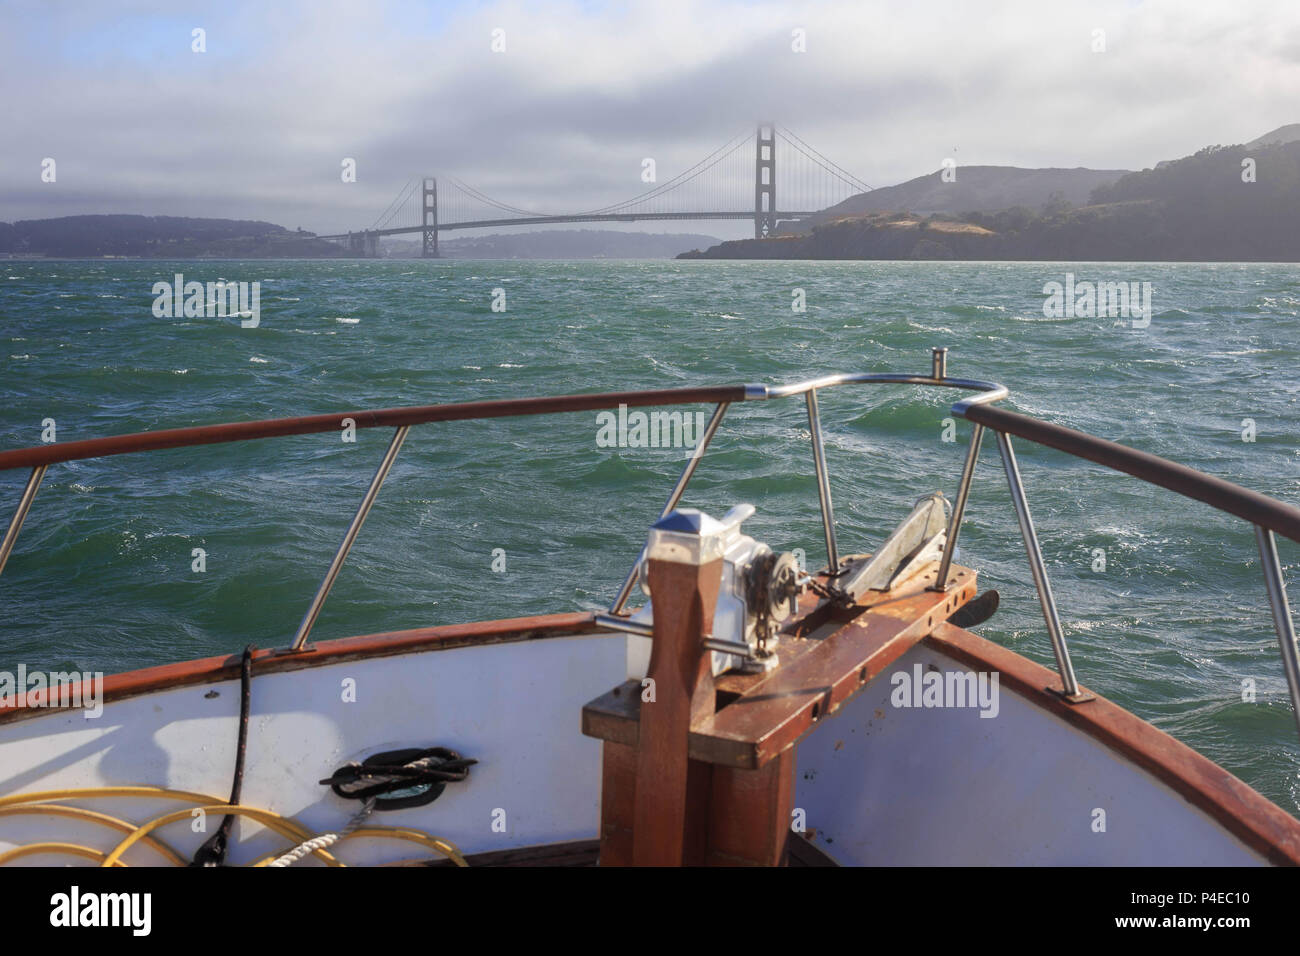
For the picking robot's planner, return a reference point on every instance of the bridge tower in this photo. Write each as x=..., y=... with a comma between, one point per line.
x=765, y=181
x=364, y=244
x=429, y=218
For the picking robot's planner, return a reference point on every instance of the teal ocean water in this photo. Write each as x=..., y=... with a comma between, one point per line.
x=102, y=576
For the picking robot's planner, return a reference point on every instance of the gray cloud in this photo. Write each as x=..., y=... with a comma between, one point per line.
x=257, y=126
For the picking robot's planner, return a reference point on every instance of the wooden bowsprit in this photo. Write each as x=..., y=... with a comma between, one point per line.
x=704, y=773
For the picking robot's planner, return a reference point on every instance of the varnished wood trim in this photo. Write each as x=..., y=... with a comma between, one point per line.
x=371, y=418
x=1251, y=817
x=573, y=853
x=815, y=676
x=213, y=670
x=800, y=850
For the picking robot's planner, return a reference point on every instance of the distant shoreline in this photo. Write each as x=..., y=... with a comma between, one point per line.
x=1222, y=204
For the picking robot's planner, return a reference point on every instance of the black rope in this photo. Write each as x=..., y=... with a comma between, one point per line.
x=213, y=850
x=400, y=770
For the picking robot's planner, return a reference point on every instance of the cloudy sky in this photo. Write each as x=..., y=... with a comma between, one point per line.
x=258, y=125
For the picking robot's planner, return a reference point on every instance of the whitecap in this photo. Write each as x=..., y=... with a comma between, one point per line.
x=1044, y=318
x=259, y=361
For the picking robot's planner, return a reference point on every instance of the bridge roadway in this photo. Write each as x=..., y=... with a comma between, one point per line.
x=541, y=220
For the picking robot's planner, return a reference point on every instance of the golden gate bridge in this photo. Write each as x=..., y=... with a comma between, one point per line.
x=730, y=183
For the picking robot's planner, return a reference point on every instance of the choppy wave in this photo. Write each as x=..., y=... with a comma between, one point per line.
x=1170, y=627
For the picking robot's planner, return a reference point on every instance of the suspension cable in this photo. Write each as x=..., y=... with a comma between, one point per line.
x=719, y=154
x=395, y=206
x=823, y=160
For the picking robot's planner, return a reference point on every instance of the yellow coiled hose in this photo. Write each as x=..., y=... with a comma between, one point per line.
x=42, y=802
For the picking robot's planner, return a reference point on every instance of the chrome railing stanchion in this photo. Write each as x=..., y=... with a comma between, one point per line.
x=679, y=489
x=309, y=619
x=939, y=364
x=1276, y=586
x=1036, y=567
x=823, y=481
x=959, y=508
x=20, y=513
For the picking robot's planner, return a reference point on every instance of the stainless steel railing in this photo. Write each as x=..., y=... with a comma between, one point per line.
x=1218, y=493
x=1266, y=515
x=985, y=392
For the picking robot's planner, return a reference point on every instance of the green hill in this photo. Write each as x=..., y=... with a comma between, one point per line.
x=1224, y=203
x=977, y=188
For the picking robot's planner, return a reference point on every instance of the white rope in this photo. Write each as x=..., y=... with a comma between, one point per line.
x=325, y=839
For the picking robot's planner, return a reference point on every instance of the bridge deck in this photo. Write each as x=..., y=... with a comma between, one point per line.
x=542, y=220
